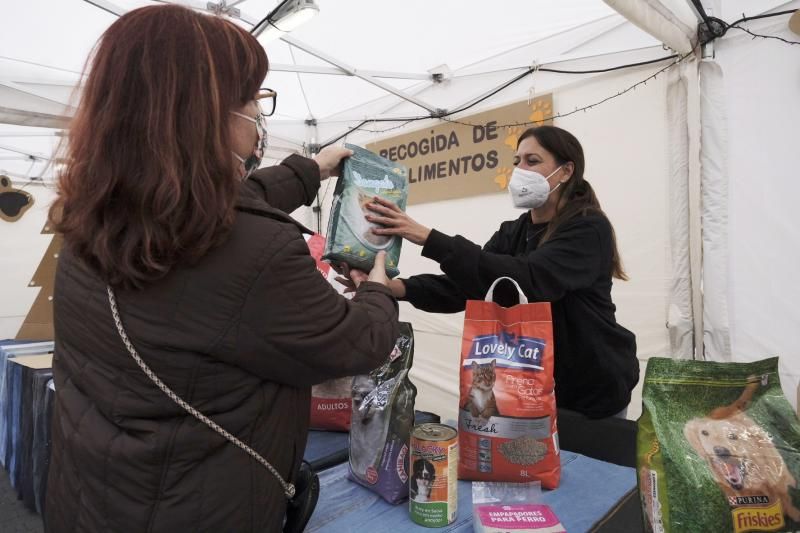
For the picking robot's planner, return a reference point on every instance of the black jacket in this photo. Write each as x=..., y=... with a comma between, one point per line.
x=595, y=358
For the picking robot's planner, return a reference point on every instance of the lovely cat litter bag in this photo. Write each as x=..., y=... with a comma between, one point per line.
x=350, y=237
x=507, y=415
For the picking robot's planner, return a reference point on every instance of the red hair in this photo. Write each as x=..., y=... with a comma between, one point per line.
x=148, y=181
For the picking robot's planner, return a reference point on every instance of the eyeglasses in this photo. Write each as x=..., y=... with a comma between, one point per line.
x=266, y=99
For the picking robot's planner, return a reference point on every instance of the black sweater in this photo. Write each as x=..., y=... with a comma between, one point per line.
x=595, y=358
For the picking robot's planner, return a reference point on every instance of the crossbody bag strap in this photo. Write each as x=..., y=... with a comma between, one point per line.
x=288, y=488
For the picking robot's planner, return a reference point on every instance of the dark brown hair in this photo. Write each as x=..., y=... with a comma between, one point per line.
x=148, y=181
x=577, y=196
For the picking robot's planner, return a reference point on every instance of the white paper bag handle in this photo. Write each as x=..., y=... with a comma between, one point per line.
x=490, y=295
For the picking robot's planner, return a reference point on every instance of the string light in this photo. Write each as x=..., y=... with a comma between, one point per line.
x=530, y=70
x=537, y=68
x=758, y=35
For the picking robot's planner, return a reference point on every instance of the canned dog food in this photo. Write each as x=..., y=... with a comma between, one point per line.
x=433, y=494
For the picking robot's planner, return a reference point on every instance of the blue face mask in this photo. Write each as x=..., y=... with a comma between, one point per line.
x=254, y=160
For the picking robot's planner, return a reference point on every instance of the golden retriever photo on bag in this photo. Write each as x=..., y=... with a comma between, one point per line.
x=742, y=456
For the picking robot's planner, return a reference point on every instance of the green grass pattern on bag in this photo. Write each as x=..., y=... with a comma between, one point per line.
x=694, y=495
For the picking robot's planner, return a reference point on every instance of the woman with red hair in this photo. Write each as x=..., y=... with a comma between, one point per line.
x=181, y=271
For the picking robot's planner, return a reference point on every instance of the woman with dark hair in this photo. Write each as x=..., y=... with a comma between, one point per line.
x=561, y=250
x=216, y=301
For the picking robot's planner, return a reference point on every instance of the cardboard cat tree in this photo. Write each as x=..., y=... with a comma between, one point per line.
x=38, y=325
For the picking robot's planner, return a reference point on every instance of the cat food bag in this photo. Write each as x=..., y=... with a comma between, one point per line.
x=331, y=405
x=507, y=408
x=331, y=401
x=718, y=448
x=382, y=421
x=350, y=237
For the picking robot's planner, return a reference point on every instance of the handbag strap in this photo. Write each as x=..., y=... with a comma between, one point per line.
x=288, y=488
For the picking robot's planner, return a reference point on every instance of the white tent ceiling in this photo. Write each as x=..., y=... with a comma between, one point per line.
x=43, y=47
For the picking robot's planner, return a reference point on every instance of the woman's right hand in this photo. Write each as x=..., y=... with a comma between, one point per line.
x=329, y=160
x=378, y=272
x=352, y=278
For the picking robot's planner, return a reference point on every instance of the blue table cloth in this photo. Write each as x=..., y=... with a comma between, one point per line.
x=326, y=447
x=589, y=489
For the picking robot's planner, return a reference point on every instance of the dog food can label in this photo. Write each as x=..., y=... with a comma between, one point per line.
x=433, y=491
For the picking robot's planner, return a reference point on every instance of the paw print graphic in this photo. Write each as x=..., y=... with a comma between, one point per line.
x=503, y=176
x=541, y=112
x=513, y=135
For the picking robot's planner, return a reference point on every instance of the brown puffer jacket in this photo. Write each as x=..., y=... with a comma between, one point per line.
x=241, y=336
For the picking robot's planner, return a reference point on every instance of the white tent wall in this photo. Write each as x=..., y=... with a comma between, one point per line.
x=23, y=248
x=761, y=84
x=624, y=142
x=745, y=308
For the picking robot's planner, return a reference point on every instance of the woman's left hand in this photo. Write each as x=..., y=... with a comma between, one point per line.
x=396, y=222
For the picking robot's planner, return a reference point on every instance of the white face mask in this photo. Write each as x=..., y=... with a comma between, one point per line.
x=529, y=189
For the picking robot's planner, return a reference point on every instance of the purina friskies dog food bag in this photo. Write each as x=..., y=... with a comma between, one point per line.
x=350, y=236
x=718, y=448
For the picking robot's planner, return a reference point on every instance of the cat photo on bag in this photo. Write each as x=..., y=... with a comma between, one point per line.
x=367, y=441
x=481, y=402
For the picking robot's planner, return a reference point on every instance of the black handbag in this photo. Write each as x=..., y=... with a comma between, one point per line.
x=300, y=508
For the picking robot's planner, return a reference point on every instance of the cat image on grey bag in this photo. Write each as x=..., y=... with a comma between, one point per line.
x=481, y=403
x=371, y=419
x=381, y=423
